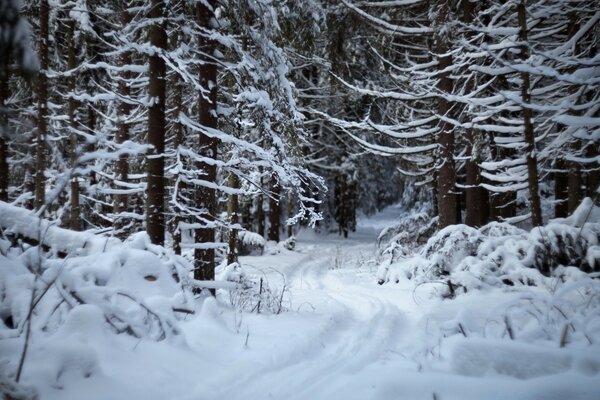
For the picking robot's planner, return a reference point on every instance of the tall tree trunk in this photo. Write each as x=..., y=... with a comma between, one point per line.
x=561, y=189
x=75, y=223
x=42, y=114
x=290, y=210
x=274, y=210
x=575, y=180
x=4, y=170
x=260, y=215
x=447, y=206
x=204, y=268
x=91, y=128
x=155, y=195
x=593, y=175
x=233, y=209
x=476, y=204
x=120, y=200
x=476, y=197
x=178, y=134
x=531, y=156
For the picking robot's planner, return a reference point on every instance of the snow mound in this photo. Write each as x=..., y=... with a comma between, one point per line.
x=497, y=254
x=482, y=357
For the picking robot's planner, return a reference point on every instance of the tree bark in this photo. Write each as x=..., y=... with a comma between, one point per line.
x=476, y=199
x=260, y=215
x=155, y=207
x=561, y=189
x=204, y=268
x=575, y=181
x=447, y=203
x=476, y=202
x=233, y=209
x=531, y=156
x=290, y=210
x=120, y=200
x=75, y=222
x=42, y=112
x=178, y=134
x=274, y=211
x=4, y=169
x=593, y=175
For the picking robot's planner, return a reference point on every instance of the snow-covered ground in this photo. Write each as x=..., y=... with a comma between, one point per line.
x=341, y=336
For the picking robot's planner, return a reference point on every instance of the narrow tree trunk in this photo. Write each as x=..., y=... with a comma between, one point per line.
x=290, y=209
x=531, y=156
x=233, y=209
x=340, y=199
x=575, y=181
x=155, y=195
x=75, y=223
x=561, y=189
x=447, y=206
x=593, y=175
x=476, y=204
x=274, y=211
x=260, y=215
x=42, y=113
x=204, y=268
x=4, y=170
x=120, y=200
x=178, y=135
x=434, y=195
x=476, y=197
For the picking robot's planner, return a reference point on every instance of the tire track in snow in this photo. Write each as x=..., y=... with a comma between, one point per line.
x=362, y=329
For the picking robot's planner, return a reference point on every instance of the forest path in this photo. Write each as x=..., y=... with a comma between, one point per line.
x=340, y=321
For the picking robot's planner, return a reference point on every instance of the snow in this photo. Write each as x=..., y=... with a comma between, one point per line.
x=324, y=330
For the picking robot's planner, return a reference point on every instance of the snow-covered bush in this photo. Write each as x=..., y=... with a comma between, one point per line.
x=138, y=288
x=10, y=390
x=250, y=243
x=409, y=233
x=500, y=254
x=253, y=292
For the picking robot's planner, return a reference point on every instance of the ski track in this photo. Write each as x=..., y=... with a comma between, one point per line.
x=362, y=328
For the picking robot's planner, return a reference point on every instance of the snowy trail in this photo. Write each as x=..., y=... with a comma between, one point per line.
x=358, y=327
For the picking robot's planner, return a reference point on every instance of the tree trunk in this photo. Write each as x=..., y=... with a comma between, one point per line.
x=274, y=211
x=575, y=181
x=75, y=223
x=476, y=206
x=290, y=209
x=204, y=268
x=593, y=175
x=120, y=200
x=260, y=215
x=42, y=113
x=476, y=202
x=4, y=170
x=155, y=207
x=178, y=135
x=531, y=156
x=233, y=209
x=561, y=189
x=447, y=206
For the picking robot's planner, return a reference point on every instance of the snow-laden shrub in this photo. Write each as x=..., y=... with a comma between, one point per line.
x=10, y=390
x=500, y=254
x=250, y=243
x=253, y=293
x=139, y=288
x=408, y=234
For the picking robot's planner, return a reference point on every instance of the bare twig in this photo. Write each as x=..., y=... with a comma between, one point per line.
x=28, y=331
